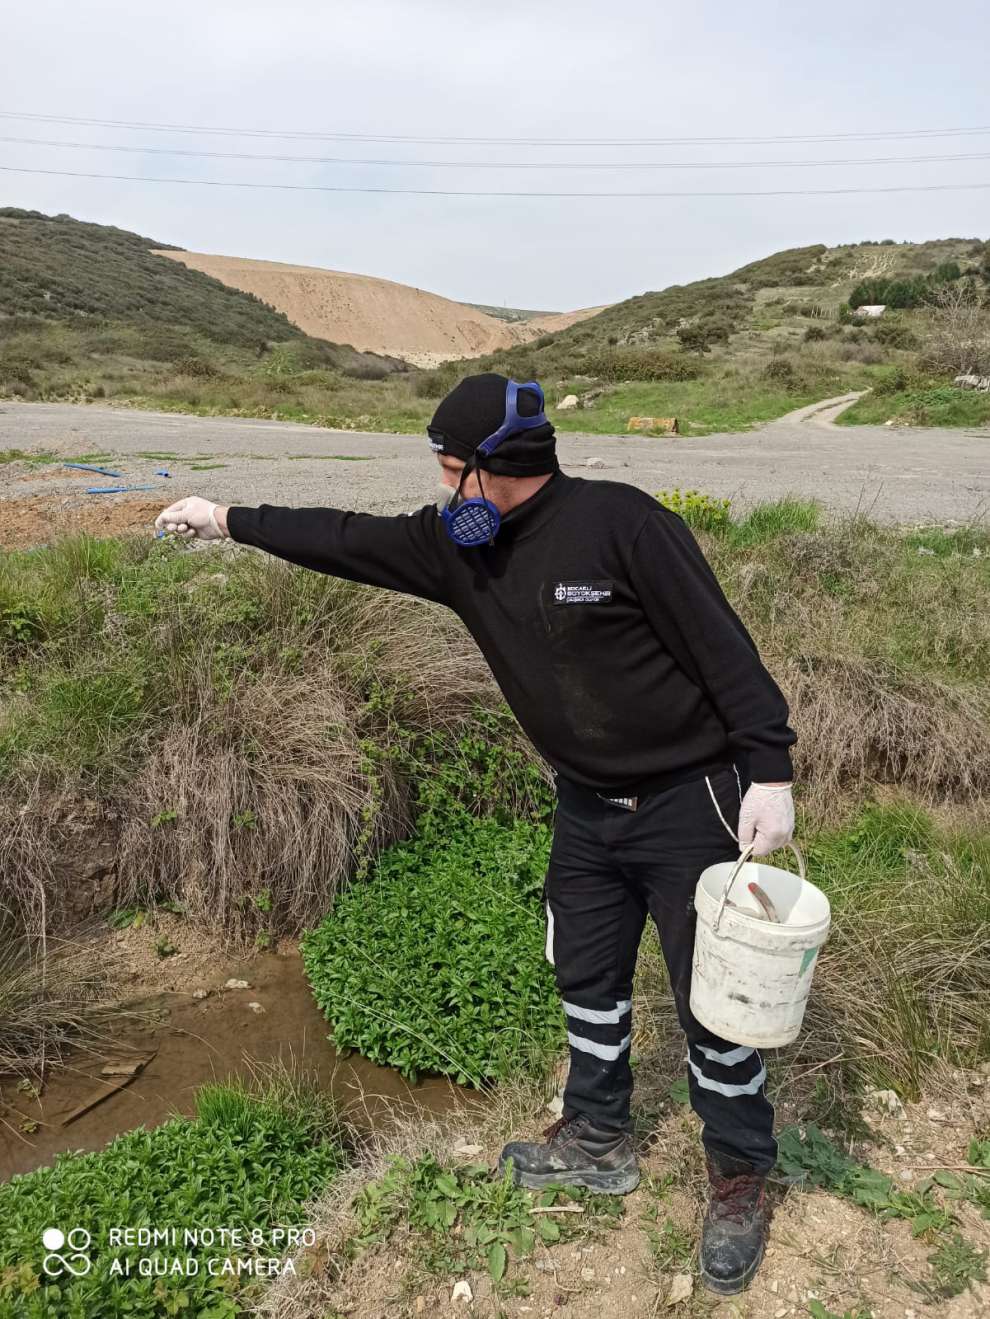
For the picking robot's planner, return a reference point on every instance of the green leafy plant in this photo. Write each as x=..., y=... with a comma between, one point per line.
x=955, y=1264
x=812, y=1159
x=468, y=1220
x=436, y=963
x=246, y=1161
x=699, y=511
x=819, y=1311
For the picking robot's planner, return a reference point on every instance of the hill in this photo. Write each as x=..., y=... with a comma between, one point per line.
x=376, y=315
x=89, y=310
x=78, y=307
x=734, y=350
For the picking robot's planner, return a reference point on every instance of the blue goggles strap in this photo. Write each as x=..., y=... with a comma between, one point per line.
x=513, y=422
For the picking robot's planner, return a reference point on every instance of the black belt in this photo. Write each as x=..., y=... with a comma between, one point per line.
x=631, y=797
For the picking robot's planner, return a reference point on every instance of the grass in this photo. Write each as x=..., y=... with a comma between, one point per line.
x=939, y=404
x=247, y=1162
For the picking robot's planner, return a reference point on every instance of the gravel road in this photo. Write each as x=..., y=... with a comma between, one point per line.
x=894, y=475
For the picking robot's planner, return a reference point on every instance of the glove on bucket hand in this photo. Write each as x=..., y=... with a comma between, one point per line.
x=766, y=818
x=191, y=517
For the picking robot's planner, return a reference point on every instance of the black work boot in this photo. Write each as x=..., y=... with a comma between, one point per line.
x=733, y=1237
x=576, y=1153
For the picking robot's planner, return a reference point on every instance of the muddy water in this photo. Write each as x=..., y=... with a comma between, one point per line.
x=194, y=1042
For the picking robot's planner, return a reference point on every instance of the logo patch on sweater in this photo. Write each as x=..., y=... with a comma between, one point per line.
x=582, y=593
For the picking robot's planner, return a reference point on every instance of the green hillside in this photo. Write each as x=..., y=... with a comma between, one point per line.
x=58, y=268
x=88, y=310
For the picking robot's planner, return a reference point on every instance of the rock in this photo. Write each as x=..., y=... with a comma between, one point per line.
x=923, y=549
x=236, y=984
x=567, y=402
x=587, y=1275
x=465, y=1151
x=934, y=1115
x=200, y=993
x=681, y=1286
x=420, y=1304
x=886, y=1101
x=556, y=1106
x=462, y=1292
x=665, y=425
x=256, y=1008
x=774, y=1285
x=594, y=462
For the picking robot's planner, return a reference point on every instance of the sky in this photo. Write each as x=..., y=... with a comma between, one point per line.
x=563, y=70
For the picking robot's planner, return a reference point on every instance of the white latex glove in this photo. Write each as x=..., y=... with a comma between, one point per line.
x=766, y=817
x=190, y=517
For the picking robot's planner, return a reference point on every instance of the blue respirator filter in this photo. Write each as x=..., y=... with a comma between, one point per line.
x=475, y=521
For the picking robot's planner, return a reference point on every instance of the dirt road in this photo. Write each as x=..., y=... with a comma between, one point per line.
x=895, y=476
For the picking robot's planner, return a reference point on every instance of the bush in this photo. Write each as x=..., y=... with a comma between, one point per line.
x=893, y=333
x=436, y=964
x=194, y=366
x=814, y=334
x=620, y=364
x=781, y=371
x=700, y=512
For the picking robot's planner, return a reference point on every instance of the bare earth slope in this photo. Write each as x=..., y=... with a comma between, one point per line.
x=374, y=315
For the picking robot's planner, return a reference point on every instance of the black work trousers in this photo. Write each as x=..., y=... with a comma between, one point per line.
x=609, y=868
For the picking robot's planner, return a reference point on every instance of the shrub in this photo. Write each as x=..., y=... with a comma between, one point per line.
x=893, y=333
x=781, y=371
x=640, y=364
x=814, y=334
x=194, y=366
x=700, y=512
x=436, y=964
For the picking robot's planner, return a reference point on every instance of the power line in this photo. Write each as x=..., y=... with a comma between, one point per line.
x=443, y=192
x=516, y=164
x=873, y=136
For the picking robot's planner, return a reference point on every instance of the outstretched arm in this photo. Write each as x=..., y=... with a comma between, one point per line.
x=402, y=553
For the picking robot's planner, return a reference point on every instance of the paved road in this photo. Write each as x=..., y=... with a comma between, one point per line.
x=904, y=476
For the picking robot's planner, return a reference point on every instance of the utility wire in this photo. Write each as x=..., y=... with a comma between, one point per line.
x=874, y=136
x=514, y=164
x=443, y=192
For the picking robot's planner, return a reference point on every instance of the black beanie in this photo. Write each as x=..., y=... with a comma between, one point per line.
x=474, y=409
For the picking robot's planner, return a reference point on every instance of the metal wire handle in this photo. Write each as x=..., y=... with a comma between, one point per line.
x=743, y=858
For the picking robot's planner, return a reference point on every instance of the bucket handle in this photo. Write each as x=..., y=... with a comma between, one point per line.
x=743, y=858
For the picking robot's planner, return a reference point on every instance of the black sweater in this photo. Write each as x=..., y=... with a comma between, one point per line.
x=602, y=621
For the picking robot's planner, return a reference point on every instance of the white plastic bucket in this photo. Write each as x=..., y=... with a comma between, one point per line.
x=751, y=976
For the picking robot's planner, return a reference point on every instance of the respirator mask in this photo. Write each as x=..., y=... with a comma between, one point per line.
x=474, y=521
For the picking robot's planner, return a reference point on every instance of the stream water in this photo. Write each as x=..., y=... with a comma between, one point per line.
x=194, y=1042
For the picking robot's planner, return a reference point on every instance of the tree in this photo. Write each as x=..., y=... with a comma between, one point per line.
x=958, y=339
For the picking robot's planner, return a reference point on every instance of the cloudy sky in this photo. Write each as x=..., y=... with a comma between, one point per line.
x=562, y=71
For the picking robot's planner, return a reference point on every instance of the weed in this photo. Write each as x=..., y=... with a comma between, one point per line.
x=819, y=1311
x=468, y=1220
x=955, y=1264
x=164, y=947
x=700, y=512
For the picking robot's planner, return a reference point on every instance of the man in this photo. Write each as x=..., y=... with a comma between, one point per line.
x=612, y=642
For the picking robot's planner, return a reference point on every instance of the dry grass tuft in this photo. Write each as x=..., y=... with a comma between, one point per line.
x=52, y=998
x=864, y=722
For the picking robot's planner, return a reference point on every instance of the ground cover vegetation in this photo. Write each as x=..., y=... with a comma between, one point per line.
x=248, y=1161
x=298, y=732
x=719, y=354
